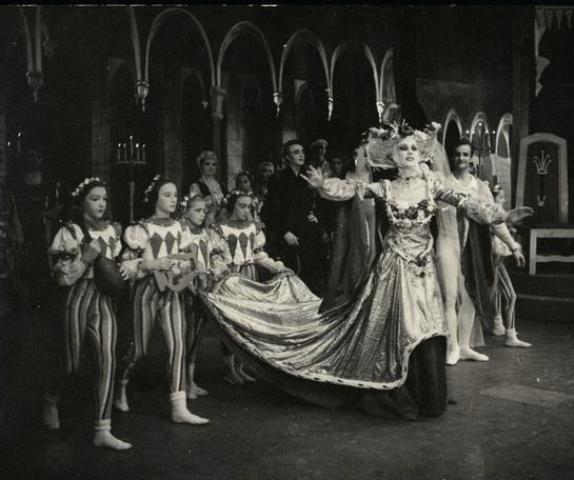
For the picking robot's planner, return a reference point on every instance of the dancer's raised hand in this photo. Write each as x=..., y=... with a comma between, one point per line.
x=314, y=177
x=516, y=215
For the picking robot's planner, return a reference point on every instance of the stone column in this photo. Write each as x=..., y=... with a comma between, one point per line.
x=217, y=99
x=172, y=151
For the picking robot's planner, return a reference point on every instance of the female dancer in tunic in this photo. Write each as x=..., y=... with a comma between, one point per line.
x=246, y=242
x=154, y=248
x=88, y=313
x=210, y=257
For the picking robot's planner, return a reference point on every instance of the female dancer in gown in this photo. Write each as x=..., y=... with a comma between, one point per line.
x=88, y=313
x=387, y=345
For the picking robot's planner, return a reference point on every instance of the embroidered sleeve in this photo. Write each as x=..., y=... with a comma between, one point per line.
x=481, y=212
x=66, y=246
x=340, y=190
x=67, y=241
x=262, y=259
x=118, y=239
x=135, y=238
x=219, y=256
x=185, y=241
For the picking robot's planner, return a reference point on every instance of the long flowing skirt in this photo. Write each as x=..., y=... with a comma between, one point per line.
x=334, y=358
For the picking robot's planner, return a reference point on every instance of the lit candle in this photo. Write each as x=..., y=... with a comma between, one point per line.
x=131, y=146
x=143, y=152
x=137, y=159
x=119, y=152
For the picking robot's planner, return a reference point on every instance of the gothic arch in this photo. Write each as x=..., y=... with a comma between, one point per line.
x=298, y=38
x=452, y=115
x=478, y=118
x=387, y=78
x=366, y=51
x=246, y=28
x=161, y=19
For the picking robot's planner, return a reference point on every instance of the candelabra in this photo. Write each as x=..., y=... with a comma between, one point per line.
x=131, y=154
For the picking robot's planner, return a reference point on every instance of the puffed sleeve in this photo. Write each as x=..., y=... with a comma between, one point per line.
x=219, y=257
x=500, y=230
x=336, y=189
x=261, y=258
x=67, y=241
x=118, y=243
x=66, y=246
x=185, y=242
x=135, y=239
x=481, y=212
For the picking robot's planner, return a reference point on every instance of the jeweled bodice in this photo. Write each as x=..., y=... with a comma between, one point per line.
x=409, y=234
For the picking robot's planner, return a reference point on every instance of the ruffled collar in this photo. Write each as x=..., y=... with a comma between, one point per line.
x=95, y=225
x=161, y=221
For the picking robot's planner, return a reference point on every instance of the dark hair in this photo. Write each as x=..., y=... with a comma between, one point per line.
x=75, y=210
x=287, y=145
x=463, y=141
x=152, y=191
x=231, y=200
x=243, y=174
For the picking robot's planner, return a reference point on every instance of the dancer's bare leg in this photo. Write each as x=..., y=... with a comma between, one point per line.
x=448, y=264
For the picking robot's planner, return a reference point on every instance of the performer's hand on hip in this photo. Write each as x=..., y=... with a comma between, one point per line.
x=291, y=239
x=314, y=177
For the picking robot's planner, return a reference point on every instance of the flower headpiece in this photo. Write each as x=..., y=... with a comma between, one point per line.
x=235, y=194
x=186, y=200
x=82, y=186
x=150, y=187
x=381, y=143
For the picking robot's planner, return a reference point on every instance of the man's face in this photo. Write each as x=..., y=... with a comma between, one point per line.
x=462, y=156
x=296, y=156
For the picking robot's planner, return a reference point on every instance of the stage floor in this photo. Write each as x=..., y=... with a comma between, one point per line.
x=513, y=420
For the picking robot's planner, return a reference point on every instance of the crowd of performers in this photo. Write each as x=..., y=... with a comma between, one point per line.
x=325, y=283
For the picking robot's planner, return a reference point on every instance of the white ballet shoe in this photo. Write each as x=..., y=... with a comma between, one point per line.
x=498, y=330
x=193, y=391
x=103, y=437
x=513, y=341
x=50, y=414
x=180, y=413
x=452, y=356
x=473, y=355
x=121, y=397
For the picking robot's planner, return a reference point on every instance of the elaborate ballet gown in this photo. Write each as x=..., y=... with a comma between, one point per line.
x=364, y=349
